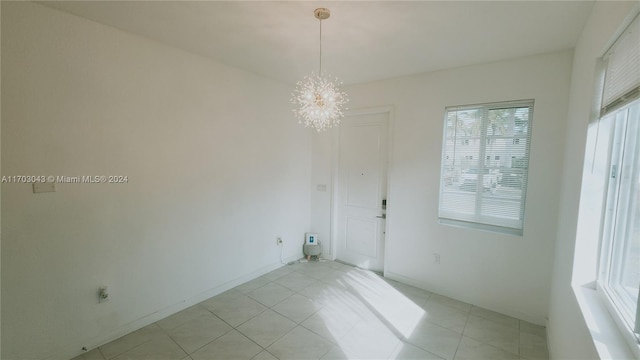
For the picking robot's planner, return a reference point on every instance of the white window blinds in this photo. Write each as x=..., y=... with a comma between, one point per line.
x=622, y=76
x=485, y=161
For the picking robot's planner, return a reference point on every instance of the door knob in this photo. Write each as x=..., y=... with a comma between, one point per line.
x=383, y=216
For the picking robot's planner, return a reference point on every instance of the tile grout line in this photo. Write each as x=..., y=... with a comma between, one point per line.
x=319, y=281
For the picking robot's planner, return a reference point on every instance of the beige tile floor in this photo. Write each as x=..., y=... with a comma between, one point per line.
x=327, y=310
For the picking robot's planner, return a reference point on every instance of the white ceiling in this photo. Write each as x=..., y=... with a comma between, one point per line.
x=362, y=41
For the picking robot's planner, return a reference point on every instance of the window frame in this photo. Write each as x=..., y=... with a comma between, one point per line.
x=629, y=328
x=610, y=107
x=477, y=220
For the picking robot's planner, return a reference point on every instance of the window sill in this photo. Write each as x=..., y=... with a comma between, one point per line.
x=607, y=338
x=478, y=226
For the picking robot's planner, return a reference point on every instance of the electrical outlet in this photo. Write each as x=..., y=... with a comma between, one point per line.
x=278, y=241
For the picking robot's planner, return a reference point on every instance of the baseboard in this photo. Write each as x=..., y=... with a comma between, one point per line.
x=549, y=352
x=405, y=280
x=291, y=259
x=72, y=350
x=538, y=320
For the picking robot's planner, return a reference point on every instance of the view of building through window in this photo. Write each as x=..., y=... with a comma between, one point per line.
x=485, y=163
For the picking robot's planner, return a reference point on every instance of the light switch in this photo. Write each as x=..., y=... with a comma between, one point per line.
x=322, y=187
x=44, y=187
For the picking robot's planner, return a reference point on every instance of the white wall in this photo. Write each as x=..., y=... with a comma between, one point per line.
x=217, y=168
x=321, y=176
x=576, y=258
x=0, y=189
x=505, y=273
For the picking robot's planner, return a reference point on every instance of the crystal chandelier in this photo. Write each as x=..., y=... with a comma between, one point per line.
x=319, y=98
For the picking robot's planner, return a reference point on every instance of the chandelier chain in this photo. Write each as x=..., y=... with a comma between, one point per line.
x=320, y=70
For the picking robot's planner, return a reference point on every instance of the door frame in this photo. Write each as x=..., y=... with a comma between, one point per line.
x=335, y=166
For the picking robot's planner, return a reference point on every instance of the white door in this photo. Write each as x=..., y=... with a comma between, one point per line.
x=361, y=189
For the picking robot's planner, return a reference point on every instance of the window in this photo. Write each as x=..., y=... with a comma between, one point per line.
x=620, y=263
x=619, y=270
x=480, y=193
